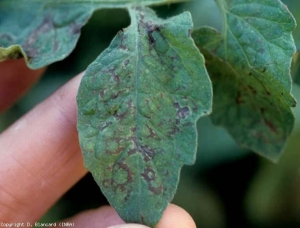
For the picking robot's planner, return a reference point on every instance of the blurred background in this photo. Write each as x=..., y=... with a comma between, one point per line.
x=228, y=186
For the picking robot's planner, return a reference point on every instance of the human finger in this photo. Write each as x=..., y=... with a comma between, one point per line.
x=15, y=80
x=40, y=157
x=107, y=217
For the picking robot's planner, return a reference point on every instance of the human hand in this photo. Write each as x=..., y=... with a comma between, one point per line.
x=40, y=157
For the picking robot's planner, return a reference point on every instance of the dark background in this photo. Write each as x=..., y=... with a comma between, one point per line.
x=228, y=186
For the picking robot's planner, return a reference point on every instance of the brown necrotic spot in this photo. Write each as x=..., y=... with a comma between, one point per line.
x=152, y=133
x=150, y=28
x=148, y=174
x=120, y=116
x=182, y=112
x=151, y=38
x=29, y=44
x=143, y=219
x=105, y=126
x=271, y=126
x=115, y=76
x=156, y=190
x=147, y=152
x=126, y=62
x=123, y=38
x=122, y=176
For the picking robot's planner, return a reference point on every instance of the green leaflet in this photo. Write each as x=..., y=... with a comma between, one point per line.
x=295, y=69
x=294, y=7
x=249, y=64
x=46, y=31
x=138, y=104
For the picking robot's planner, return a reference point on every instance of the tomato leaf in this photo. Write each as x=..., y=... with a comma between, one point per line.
x=138, y=104
x=249, y=64
x=47, y=31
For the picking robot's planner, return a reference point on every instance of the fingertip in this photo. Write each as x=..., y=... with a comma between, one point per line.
x=102, y=217
x=107, y=217
x=176, y=217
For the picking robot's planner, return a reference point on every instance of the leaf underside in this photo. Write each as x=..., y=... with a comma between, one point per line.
x=249, y=64
x=138, y=104
x=47, y=31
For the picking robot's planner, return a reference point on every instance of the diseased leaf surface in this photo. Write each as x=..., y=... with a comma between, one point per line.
x=249, y=64
x=47, y=31
x=138, y=105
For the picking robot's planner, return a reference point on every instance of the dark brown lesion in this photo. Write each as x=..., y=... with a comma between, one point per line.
x=271, y=126
x=120, y=116
x=45, y=26
x=147, y=152
x=156, y=190
x=150, y=27
x=107, y=124
x=152, y=133
x=182, y=112
x=143, y=219
x=126, y=62
x=115, y=76
x=149, y=174
x=124, y=185
x=102, y=93
x=123, y=36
